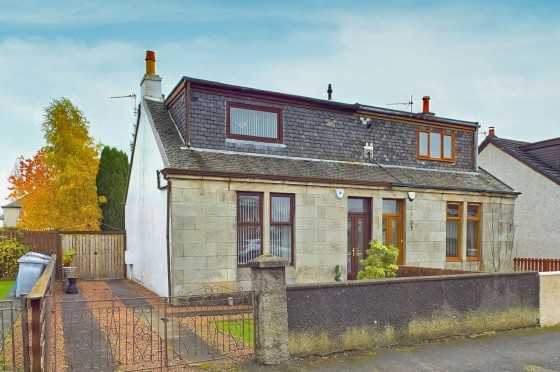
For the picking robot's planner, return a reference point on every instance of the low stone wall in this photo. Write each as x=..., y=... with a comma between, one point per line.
x=407, y=271
x=324, y=318
x=549, y=298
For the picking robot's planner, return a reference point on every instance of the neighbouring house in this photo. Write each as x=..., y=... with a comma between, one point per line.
x=11, y=213
x=221, y=174
x=534, y=170
x=1, y=220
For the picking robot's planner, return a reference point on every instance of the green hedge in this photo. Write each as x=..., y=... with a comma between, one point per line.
x=10, y=251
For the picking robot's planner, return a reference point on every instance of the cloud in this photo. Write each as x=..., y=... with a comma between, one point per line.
x=495, y=64
x=35, y=72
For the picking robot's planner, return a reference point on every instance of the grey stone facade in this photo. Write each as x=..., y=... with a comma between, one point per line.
x=319, y=134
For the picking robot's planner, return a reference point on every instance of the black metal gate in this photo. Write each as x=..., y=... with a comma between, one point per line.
x=11, y=337
x=116, y=328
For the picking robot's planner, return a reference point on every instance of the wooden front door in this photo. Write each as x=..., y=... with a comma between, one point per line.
x=359, y=234
x=393, y=226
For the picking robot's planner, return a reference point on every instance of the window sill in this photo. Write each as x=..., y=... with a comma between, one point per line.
x=452, y=259
x=245, y=266
x=474, y=259
x=436, y=159
x=234, y=141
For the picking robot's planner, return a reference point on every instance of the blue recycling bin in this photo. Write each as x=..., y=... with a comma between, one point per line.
x=31, y=266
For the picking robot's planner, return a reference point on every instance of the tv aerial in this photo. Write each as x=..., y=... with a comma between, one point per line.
x=134, y=106
x=408, y=103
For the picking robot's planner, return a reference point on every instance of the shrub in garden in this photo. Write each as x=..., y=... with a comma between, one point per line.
x=381, y=262
x=10, y=251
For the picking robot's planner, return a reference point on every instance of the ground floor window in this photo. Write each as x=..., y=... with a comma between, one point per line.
x=453, y=231
x=249, y=226
x=281, y=225
x=250, y=222
x=473, y=231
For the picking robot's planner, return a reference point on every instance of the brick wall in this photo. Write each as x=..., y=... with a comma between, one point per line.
x=319, y=134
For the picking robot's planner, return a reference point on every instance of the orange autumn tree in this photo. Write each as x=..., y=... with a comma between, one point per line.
x=67, y=198
x=31, y=185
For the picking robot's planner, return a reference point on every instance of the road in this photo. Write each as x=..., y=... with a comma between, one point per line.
x=529, y=350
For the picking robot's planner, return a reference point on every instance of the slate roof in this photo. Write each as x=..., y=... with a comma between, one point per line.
x=516, y=150
x=183, y=160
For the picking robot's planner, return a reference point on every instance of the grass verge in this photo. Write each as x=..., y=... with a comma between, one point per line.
x=5, y=287
x=241, y=330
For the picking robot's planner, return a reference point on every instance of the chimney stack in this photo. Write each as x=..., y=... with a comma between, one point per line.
x=426, y=106
x=491, y=132
x=151, y=83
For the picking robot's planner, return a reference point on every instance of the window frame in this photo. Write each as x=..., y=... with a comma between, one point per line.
x=291, y=223
x=442, y=146
x=240, y=223
x=279, y=124
x=478, y=218
x=459, y=220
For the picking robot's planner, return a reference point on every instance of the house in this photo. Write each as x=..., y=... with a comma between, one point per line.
x=1, y=221
x=221, y=174
x=534, y=170
x=11, y=213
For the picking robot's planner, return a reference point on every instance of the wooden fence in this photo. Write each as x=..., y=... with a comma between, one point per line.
x=536, y=264
x=99, y=254
x=40, y=303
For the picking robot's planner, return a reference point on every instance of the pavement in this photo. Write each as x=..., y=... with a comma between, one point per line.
x=528, y=350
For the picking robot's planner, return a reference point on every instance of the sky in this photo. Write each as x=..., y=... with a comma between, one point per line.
x=496, y=63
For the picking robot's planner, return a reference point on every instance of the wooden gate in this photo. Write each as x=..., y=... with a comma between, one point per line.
x=98, y=255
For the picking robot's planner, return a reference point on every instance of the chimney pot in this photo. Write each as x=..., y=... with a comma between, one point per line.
x=150, y=62
x=491, y=132
x=426, y=104
x=329, y=92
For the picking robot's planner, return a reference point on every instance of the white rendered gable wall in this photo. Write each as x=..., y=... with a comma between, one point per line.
x=536, y=209
x=146, y=209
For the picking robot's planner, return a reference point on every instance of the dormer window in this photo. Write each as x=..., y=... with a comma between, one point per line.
x=253, y=123
x=436, y=146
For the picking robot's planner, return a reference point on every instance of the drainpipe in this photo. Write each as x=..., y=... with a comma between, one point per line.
x=168, y=239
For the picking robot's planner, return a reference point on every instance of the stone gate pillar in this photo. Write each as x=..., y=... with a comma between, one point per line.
x=268, y=277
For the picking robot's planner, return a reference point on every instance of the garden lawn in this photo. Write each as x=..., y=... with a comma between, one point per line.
x=5, y=287
x=235, y=328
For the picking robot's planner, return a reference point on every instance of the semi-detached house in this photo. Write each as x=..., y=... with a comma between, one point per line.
x=222, y=174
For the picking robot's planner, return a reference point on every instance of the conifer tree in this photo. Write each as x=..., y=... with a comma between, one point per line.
x=111, y=186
